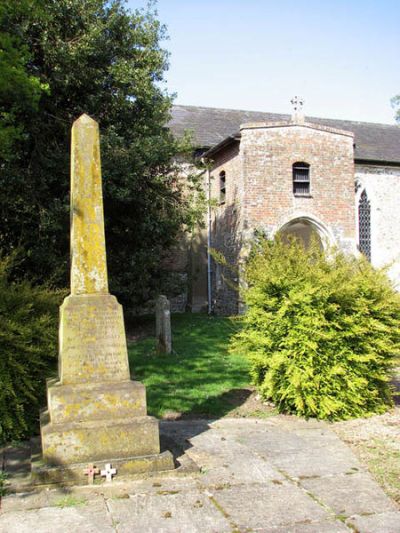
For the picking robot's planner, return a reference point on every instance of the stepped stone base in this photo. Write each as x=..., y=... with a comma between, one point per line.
x=99, y=423
x=92, y=440
x=95, y=401
x=73, y=474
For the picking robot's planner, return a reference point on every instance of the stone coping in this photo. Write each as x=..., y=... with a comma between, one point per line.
x=290, y=123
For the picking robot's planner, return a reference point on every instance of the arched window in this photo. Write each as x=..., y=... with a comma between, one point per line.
x=364, y=225
x=222, y=187
x=301, y=179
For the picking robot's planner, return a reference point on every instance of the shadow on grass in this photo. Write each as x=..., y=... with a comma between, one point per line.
x=216, y=406
x=200, y=377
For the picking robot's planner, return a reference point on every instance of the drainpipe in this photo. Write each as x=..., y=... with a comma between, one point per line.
x=209, y=289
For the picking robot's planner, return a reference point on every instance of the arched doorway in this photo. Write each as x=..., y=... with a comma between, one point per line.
x=305, y=230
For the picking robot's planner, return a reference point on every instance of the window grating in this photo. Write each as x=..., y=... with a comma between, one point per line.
x=364, y=225
x=301, y=179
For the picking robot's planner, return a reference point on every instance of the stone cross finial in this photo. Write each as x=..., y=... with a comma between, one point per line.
x=297, y=104
x=88, y=246
x=108, y=472
x=90, y=472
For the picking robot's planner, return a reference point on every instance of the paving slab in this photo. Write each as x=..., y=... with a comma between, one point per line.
x=16, y=460
x=54, y=497
x=277, y=475
x=218, y=458
x=182, y=512
x=293, y=445
x=302, y=452
x=161, y=485
x=24, y=501
x=350, y=494
x=319, y=527
x=261, y=506
x=316, y=462
x=274, y=441
x=92, y=517
x=376, y=523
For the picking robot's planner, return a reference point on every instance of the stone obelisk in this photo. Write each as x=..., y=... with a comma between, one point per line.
x=95, y=412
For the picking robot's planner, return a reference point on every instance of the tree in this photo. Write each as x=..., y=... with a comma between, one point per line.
x=396, y=105
x=19, y=90
x=97, y=57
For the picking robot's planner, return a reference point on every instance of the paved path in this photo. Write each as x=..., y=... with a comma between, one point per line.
x=278, y=475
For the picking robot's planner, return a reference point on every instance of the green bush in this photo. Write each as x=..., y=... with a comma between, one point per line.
x=321, y=331
x=28, y=353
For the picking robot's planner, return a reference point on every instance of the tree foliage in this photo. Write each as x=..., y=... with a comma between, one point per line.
x=97, y=57
x=28, y=349
x=321, y=332
x=395, y=101
x=19, y=90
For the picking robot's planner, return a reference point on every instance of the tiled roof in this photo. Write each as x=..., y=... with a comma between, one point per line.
x=210, y=126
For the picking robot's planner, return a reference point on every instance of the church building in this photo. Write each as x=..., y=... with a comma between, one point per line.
x=336, y=180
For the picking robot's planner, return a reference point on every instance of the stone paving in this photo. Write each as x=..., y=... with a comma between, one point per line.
x=279, y=475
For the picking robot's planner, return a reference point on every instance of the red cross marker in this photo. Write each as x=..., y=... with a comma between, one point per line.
x=90, y=472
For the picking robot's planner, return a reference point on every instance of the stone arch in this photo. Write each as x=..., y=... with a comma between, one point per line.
x=305, y=228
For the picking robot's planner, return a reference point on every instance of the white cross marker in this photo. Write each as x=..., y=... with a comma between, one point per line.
x=108, y=472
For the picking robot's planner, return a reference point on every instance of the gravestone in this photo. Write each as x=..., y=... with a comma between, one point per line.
x=163, y=325
x=96, y=414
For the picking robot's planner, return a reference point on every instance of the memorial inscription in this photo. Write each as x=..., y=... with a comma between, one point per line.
x=92, y=341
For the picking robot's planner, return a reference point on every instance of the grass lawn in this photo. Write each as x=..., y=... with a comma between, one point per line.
x=200, y=377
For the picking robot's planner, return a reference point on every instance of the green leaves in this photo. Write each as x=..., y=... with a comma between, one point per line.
x=20, y=91
x=321, y=331
x=28, y=352
x=97, y=57
x=395, y=101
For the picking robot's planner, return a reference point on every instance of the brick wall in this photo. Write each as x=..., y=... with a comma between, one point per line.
x=226, y=228
x=268, y=153
x=259, y=191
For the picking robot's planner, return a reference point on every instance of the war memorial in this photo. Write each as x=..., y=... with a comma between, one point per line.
x=97, y=416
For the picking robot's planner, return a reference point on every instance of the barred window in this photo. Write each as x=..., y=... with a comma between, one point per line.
x=222, y=187
x=301, y=179
x=364, y=225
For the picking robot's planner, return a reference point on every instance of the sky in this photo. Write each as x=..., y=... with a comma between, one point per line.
x=340, y=56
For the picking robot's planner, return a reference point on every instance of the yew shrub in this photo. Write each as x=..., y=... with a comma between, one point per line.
x=28, y=353
x=322, y=331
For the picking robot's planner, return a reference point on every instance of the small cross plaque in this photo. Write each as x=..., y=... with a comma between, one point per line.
x=90, y=472
x=108, y=472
